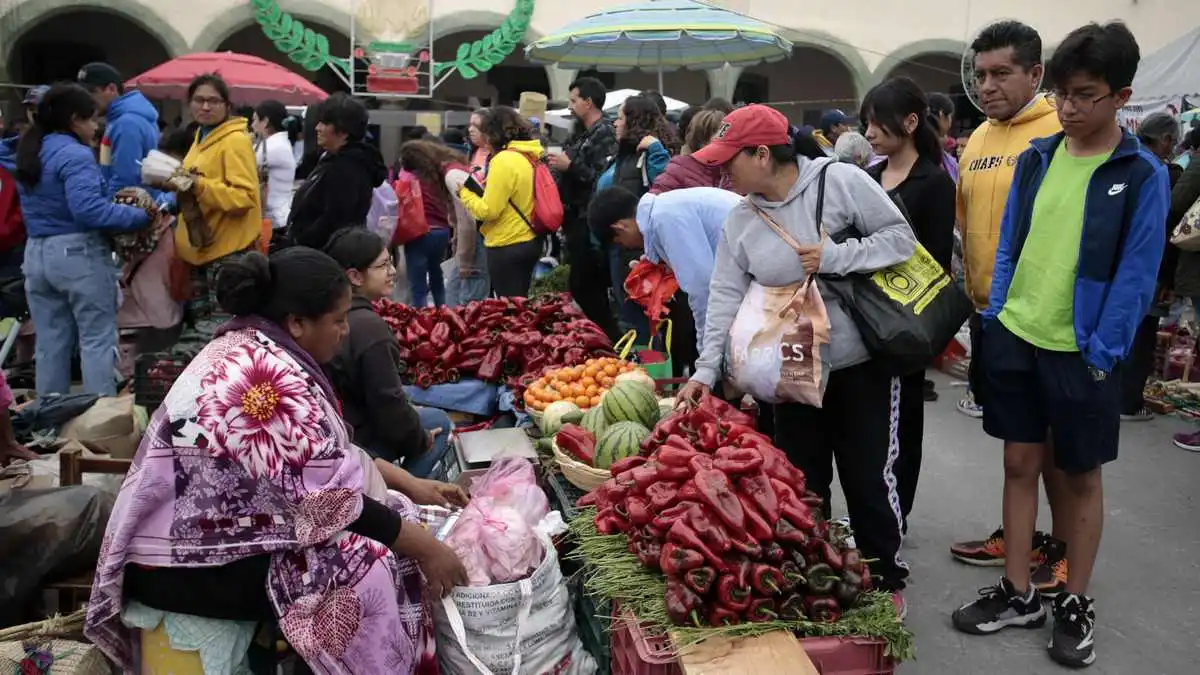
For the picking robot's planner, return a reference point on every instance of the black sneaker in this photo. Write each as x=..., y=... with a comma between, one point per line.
x=1050, y=576
x=1072, y=642
x=1000, y=607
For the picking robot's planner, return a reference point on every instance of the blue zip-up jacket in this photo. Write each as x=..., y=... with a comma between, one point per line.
x=682, y=228
x=131, y=132
x=69, y=197
x=1119, y=251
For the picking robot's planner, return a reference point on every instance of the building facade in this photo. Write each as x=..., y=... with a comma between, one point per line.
x=841, y=48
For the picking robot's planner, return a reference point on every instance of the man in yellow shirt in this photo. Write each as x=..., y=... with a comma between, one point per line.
x=1008, y=73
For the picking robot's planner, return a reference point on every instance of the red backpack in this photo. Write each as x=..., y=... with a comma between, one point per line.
x=12, y=226
x=547, y=205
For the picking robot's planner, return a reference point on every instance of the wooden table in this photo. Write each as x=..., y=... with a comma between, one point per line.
x=777, y=653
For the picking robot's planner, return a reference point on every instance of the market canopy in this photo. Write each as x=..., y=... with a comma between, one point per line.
x=1170, y=74
x=661, y=35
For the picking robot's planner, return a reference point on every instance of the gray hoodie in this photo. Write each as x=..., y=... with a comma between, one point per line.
x=750, y=251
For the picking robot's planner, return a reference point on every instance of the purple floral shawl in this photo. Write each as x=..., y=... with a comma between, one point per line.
x=248, y=455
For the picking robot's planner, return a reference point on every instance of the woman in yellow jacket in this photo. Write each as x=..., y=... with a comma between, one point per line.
x=506, y=206
x=220, y=205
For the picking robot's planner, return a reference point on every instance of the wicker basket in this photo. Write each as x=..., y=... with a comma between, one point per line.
x=580, y=475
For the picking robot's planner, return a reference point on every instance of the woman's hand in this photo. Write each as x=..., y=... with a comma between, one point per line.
x=690, y=394
x=810, y=255
x=437, y=493
x=438, y=562
x=646, y=142
x=455, y=179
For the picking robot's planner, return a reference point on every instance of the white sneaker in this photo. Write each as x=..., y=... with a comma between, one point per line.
x=1142, y=415
x=969, y=407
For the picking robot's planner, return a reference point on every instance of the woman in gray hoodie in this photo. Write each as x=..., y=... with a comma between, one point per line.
x=857, y=423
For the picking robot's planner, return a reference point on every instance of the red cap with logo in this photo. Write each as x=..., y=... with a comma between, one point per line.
x=747, y=127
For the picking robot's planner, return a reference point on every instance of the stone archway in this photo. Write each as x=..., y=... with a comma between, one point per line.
x=110, y=29
x=935, y=65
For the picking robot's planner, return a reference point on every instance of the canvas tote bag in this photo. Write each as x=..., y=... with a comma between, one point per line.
x=778, y=349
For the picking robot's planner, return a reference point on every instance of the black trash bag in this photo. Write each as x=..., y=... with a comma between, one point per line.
x=47, y=535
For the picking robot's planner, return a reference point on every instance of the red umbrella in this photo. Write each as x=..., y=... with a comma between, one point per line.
x=251, y=79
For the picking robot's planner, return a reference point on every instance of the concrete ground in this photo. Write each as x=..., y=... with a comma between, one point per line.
x=1147, y=578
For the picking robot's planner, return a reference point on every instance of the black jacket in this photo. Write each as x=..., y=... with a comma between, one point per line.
x=928, y=195
x=366, y=375
x=336, y=194
x=589, y=150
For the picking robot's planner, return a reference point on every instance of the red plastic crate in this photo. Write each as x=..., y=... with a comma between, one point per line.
x=636, y=653
x=848, y=656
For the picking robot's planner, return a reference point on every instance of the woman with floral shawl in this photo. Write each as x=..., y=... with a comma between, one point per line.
x=245, y=502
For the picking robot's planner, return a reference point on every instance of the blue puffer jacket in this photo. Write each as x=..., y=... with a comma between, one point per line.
x=131, y=132
x=69, y=197
x=1119, y=252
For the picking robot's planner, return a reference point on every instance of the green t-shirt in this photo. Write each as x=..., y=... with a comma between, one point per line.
x=1040, y=307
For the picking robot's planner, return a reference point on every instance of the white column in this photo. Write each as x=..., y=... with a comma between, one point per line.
x=722, y=81
x=560, y=80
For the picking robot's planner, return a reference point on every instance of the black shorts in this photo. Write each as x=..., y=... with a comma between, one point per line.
x=1033, y=394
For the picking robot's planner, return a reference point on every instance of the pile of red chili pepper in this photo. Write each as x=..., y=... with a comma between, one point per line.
x=720, y=511
x=510, y=340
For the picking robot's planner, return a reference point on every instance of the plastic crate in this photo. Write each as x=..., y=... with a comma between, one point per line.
x=848, y=655
x=637, y=653
x=593, y=622
x=563, y=495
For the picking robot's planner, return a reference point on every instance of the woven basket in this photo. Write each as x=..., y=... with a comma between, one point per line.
x=577, y=473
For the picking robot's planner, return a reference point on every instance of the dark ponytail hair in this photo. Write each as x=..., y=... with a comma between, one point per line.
x=889, y=103
x=803, y=145
x=278, y=119
x=297, y=281
x=59, y=108
x=355, y=248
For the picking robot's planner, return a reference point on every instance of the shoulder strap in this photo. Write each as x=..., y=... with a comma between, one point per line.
x=778, y=229
x=533, y=188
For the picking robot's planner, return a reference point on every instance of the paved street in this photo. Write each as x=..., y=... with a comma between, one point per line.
x=1146, y=581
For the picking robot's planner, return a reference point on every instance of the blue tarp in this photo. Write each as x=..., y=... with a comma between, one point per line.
x=469, y=396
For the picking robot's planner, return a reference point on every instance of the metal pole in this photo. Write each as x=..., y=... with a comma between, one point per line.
x=660, y=77
x=353, y=44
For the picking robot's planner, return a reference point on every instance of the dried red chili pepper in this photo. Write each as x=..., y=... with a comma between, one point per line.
x=720, y=616
x=757, y=487
x=765, y=579
x=681, y=533
x=440, y=335
x=670, y=454
x=709, y=439
x=638, y=510
x=645, y=475
x=773, y=553
x=676, y=559
x=800, y=516
x=489, y=368
x=625, y=464
x=701, y=462
x=792, y=608
x=761, y=610
x=688, y=491
x=788, y=533
x=683, y=605
x=453, y=376
x=820, y=609
x=726, y=411
x=577, y=442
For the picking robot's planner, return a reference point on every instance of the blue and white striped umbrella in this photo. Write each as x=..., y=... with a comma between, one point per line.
x=661, y=35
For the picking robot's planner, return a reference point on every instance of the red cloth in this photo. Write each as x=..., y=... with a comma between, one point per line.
x=437, y=208
x=685, y=172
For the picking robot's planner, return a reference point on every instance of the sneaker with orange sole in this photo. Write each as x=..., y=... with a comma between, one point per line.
x=1050, y=576
x=990, y=552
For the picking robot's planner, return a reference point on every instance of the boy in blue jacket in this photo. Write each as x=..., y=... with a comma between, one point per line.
x=1080, y=245
x=131, y=127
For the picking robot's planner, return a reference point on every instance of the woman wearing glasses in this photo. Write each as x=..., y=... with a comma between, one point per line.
x=220, y=205
x=365, y=373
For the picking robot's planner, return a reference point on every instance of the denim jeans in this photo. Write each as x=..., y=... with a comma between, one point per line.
x=431, y=418
x=424, y=257
x=71, y=283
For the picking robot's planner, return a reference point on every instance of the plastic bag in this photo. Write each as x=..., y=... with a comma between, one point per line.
x=495, y=537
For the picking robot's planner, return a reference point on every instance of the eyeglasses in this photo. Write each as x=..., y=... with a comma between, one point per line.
x=1082, y=104
x=388, y=264
x=207, y=101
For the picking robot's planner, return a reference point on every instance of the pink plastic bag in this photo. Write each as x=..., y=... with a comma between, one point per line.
x=495, y=536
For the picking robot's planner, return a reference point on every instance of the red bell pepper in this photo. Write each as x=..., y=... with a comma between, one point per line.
x=756, y=526
x=701, y=462
x=440, y=336
x=622, y=465
x=800, y=516
x=662, y=494
x=683, y=605
x=489, y=368
x=773, y=553
x=792, y=608
x=676, y=559
x=765, y=580
x=720, y=616
x=711, y=532
x=709, y=439
x=672, y=455
x=645, y=475
x=726, y=411
x=762, y=610
x=822, y=609
x=667, y=517
x=718, y=493
x=682, y=534
x=701, y=579
x=736, y=461
x=757, y=488
x=788, y=533
x=577, y=442
x=638, y=510
x=689, y=492
x=733, y=594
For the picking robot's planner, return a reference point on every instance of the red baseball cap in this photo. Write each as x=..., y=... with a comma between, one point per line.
x=747, y=127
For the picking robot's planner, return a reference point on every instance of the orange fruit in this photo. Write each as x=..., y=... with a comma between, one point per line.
x=582, y=401
x=592, y=390
x=595, y=401
x=612, y=369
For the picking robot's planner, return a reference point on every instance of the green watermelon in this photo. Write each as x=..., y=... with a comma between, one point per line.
x=623, y=439
x=594, y=421
x=630, y=402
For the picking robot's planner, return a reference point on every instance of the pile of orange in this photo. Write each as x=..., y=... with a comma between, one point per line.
x=581, y=385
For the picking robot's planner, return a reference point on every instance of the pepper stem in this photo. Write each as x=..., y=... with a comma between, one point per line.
x=696, y=619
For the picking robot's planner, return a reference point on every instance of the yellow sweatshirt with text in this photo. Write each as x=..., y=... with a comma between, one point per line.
x=509, y=183
x=986, y=172
x=227, y=190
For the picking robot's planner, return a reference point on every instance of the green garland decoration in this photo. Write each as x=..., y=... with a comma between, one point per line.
x=479, y=56
x=303, y=45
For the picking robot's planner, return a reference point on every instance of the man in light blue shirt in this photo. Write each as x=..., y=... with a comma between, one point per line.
x=679, y=228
